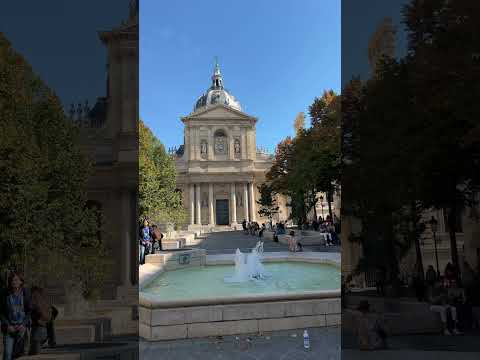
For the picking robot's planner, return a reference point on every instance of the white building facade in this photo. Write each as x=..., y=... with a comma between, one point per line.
x=219, y=166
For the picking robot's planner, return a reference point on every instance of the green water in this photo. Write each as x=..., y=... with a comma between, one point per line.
x=208, y=282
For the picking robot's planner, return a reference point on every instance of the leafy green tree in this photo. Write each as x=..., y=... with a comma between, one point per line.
x=158, y=197
x=267, y=202
x=44, y=220
x=310, y=162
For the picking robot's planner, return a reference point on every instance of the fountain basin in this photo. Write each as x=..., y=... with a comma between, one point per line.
x=208, y=313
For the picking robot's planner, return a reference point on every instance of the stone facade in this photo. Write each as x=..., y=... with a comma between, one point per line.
x=111, y=141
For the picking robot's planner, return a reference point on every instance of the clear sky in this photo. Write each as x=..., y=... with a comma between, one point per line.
x=60, y=41
x=275, y=57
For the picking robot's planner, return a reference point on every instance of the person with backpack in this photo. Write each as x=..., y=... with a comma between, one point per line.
x=157, y=237
x=40, y=314
x=14, y=316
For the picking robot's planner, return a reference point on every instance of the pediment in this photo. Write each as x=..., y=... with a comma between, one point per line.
x=219, y=112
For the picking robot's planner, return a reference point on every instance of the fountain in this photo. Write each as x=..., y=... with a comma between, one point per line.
x=248, y=267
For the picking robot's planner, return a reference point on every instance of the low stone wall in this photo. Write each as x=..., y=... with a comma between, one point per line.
x=315, y=239
x=219, y=320
x=171, y=260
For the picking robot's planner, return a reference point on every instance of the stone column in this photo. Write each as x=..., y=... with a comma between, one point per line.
x=233, y=200
x=199, y=206
x=192, y=204
x=245, y=202
x=231, y=147
x=252, y=206
x=243, y=145
x=210, y=205
x=191, y=143
x=210, y=144
x=126, y=276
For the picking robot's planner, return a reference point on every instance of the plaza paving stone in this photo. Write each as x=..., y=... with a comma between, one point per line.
x=280, y=345
x=228, y=241
x=419, y=346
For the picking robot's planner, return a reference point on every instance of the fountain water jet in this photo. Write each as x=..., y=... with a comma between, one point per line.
x=248, y=267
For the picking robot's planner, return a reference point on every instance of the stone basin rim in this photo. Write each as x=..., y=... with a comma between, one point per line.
x=146, y=302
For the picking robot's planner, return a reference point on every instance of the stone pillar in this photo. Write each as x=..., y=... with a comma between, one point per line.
x=126, y=276
x=191, y=143
x=199, y=206
x=252, y=206
x=245, y=202
x=233, y=201
x=231, y=148
x=210, y=144
x=192, y=204
x=243, y=145
x=211, y=213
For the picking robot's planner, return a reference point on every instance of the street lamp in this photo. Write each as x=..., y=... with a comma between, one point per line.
x=321, y=204
x=434, y=226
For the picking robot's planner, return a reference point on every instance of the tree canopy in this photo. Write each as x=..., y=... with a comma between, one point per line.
x=310, y=162
x=158, y=197
x=44, y=220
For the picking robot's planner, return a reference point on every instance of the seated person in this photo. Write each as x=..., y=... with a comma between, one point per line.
x=370, y=329
x=442, y=303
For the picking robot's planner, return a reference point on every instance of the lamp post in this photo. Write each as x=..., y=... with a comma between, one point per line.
x=321, y=204
x=434, y=226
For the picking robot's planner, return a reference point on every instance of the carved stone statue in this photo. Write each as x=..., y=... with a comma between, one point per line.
x=237, y=146
x=203, y=149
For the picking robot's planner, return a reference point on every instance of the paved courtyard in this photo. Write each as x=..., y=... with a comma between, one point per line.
x=419, y=346
x=281, y=345
x=228, y=241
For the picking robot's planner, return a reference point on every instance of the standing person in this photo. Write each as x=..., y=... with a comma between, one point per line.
x=41, y=315
x=292, y=242
x=468, y=280
x=260, y=233
x=145, y=239
x=14, y=316
x=244, y=225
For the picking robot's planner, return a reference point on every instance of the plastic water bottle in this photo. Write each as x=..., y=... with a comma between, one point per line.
x=306, y=340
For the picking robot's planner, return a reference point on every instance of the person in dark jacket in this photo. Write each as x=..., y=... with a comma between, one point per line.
x=145, y=241
x=14, y=316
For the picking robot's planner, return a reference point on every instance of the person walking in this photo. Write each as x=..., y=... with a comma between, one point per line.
x=14, y=316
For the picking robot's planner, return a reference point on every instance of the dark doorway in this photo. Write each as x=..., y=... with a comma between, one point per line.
x=222, y=212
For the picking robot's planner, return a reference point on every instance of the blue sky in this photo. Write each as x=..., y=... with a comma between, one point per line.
x=275, y=57
x=60, y=41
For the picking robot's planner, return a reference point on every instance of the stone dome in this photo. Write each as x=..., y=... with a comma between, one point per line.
x=217, y=94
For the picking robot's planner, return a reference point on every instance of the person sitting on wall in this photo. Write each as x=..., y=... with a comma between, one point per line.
x=443, y=305
x=157, y=237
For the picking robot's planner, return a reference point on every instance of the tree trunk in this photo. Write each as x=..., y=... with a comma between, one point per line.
x=329, y=201
x=418, y=249
x=452, y=216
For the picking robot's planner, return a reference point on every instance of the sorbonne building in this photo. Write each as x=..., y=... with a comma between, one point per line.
x=219, y=166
